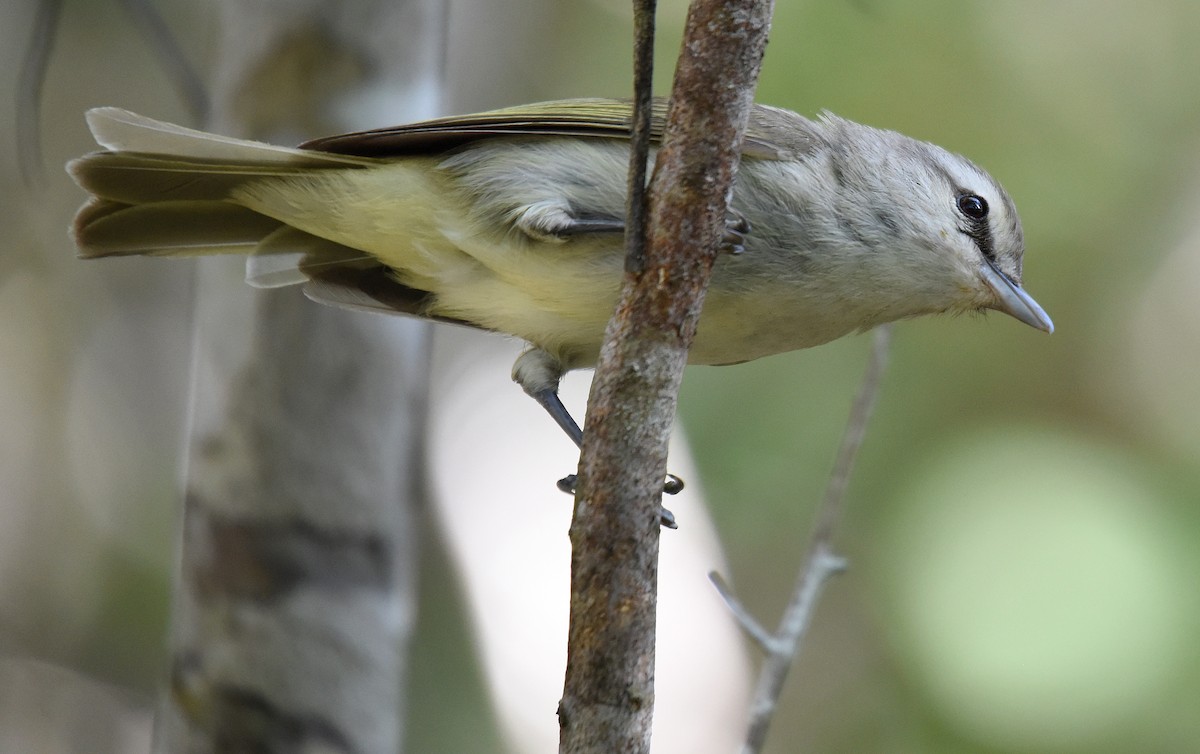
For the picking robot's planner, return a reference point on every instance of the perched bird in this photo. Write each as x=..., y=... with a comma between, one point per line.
x=512, y=221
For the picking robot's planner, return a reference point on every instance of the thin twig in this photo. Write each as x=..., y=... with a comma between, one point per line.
x=783, y=646
x=639, y=141
x=856, y=429
x=761, y=636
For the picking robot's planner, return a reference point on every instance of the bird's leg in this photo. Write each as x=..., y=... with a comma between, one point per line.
x=539, y=374
x=555, y=222
x=583, y=225
x=548, y=399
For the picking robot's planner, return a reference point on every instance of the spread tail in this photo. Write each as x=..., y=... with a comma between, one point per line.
x=164, y=190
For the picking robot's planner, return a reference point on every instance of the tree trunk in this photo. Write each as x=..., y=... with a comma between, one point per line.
x=296, y=594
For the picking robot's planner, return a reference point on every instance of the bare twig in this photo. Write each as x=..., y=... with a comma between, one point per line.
x=782, y=647
x=608, y=695
x=856, y=430
x=639, y=142
x=761, y=636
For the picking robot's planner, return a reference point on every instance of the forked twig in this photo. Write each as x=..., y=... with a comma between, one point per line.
x=782, y=646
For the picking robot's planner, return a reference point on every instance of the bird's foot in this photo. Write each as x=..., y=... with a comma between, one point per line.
x=672, y=486
x=737, y=227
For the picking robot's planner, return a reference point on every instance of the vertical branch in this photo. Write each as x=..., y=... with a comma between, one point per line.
x=639, y=142
x=608, y=695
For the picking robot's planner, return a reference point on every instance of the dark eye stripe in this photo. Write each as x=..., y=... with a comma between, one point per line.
x=974, y=211
x=979, y=230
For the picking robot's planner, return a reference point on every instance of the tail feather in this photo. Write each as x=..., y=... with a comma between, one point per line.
x=119, y=130
x=288, y=256
x=166, y=190
x=139, y=178
x=186, y=228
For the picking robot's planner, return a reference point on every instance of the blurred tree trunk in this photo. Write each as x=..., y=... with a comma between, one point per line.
x=296, y=594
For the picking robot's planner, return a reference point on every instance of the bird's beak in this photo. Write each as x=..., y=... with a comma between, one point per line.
x=1013, y=301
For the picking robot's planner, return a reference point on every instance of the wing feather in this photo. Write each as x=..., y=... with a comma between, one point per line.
x=773, y=134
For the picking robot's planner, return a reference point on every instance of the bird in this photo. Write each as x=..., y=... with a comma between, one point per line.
x=512, y=221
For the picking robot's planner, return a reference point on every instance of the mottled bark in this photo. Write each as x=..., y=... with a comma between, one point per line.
x=608, y=696
x=296, y=595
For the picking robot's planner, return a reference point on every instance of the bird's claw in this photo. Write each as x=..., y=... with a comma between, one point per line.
x=567, y=484
x=673, y=486
x=666, y=519
x=737, y=227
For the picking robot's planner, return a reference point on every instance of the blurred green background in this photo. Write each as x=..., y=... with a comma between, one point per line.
x=1023, y=523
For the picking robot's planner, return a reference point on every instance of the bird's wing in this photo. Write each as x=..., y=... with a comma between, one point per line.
x=772, y=134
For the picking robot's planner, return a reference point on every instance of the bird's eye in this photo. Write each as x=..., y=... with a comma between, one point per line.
x=973, y=206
